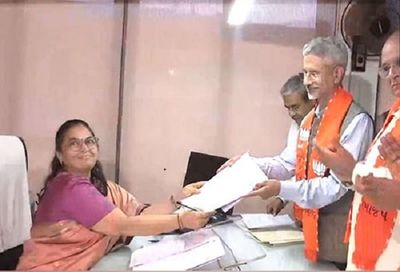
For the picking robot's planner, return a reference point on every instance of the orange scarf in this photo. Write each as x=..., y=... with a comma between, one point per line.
x=374, y=227
x=328, y=129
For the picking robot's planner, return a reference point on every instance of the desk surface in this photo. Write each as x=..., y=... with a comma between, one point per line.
x=240, y=242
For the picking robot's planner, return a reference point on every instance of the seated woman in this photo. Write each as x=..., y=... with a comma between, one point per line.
x=81, y=216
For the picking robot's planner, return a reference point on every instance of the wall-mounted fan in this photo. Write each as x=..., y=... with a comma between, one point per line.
x=368, y=22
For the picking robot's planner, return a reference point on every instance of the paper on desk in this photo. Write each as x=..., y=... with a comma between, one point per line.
x=228, y=185
x=181, y=252
x=276, y=237
x=262, y=220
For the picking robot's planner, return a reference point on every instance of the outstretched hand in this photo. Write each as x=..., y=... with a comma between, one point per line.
x=194, y=220
x=192, y=189
x=266, y=189
x=337, y=158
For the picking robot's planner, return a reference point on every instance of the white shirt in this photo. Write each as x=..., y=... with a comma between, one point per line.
x=281, y=166
x=319, y=192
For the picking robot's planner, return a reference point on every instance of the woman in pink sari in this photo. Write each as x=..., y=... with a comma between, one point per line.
x=81, y=216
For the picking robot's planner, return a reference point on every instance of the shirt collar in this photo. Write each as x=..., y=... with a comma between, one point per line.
x=319, y=112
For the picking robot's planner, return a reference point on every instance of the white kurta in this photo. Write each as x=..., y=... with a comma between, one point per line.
x=322, y=191
x=390, y=258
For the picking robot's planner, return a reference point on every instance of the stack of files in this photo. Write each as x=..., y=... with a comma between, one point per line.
x=263, y=220
x=279, y=237
x=178, y=253
x=273, y=230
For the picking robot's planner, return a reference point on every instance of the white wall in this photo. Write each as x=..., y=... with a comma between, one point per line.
x=193, y=84
x=61, y=62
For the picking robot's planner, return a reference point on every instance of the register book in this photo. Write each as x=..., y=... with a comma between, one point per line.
x=179, y=252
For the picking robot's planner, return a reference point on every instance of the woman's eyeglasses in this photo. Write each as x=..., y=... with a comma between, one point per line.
x=76, y=144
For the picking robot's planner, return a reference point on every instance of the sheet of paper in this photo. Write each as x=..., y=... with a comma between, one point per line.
x=279, y=236
x=228, y=185
x=262, y=220
x=181, y=252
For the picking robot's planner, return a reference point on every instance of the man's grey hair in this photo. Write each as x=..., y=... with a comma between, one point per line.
x=328, y=47
x=295, y=85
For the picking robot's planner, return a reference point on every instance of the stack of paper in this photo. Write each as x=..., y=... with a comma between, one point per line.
x=263, y=220
x=278, y=237
x=228, y=186
x=181, y=252
x=273, y=230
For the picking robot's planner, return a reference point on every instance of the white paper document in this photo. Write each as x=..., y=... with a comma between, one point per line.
x=262, y=220
x=181, y=252
x=279, y=237
x=228, y=185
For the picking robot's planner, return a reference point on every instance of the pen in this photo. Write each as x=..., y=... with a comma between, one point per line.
x=187, y=207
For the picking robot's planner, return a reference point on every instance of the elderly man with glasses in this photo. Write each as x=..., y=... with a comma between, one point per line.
x=298, y=105
x=321, y=199
x=375, y=222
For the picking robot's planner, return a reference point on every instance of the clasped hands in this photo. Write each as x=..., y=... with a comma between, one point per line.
x=384, y=193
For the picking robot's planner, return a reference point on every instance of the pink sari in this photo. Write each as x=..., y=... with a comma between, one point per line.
x=67, y=245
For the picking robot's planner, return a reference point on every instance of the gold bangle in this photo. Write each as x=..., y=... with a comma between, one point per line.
x=178, y=218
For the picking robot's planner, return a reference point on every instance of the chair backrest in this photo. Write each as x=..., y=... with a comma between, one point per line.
x=15, y=212
x=25, y=152
x=202, y=166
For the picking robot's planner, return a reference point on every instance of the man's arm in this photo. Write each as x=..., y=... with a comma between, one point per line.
x=320, y=192
x=281, y=166
x=312, y=194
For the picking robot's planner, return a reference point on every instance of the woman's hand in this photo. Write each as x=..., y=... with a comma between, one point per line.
x=192, y=189
x=194, y=220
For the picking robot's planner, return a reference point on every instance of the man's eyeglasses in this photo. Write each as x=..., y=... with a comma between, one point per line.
x=76, y=144
x=311, y=75
x=386, y=68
